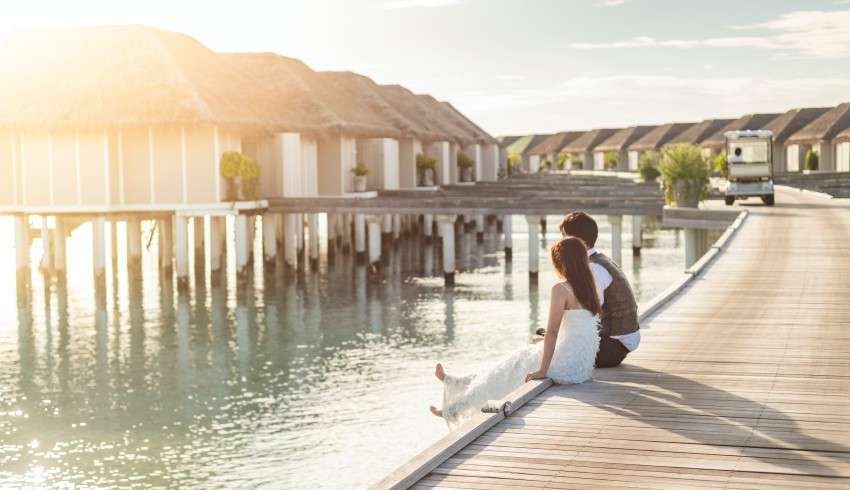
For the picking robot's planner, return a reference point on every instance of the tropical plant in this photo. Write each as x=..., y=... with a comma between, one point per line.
x=610, y=160
x=544, y=165
x=248, y=168
x=686, y=175
x=575, y=162
x=230, y=163
x=721, y=165
x=464, y=160
x=812, y=161
x=514, y=162
x=648, y=166
x=360, y=170
x=424, y=162
x=561, y=161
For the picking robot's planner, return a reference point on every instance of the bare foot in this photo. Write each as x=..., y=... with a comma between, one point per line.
x=436, y=411
x=439, y=372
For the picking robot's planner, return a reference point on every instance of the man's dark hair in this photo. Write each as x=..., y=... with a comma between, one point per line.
x=579, y=224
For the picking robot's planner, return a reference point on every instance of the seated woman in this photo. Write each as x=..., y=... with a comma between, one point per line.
x=566, y=354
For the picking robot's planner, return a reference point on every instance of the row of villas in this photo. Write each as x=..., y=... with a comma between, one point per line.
x=821, y=129
x=134, y=119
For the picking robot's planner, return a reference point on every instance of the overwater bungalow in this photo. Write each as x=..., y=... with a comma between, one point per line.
x=617, y=145
x=581, y=149
x=653, y=141
x=782, y=128
x=551, y=146
x=484, y=151
x=698, y=133
x=715, y=143
x=822, y=136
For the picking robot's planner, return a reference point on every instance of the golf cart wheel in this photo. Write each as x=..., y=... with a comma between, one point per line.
x=730, y=200
x=768, y=199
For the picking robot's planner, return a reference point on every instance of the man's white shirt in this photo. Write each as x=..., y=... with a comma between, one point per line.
x=603, y=279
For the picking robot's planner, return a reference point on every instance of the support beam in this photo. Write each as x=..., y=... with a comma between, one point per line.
x=99, y=248
x=691, y=246
x=374, y=225
x=22, y=243
x=134, y=242
x=446, y=224
x=59, y=255
x=299, y=231
x=290, y=241
x=313, y=237
x=46, y=248
x=217, y=244
x=507, y=229
x=428, y=225
x=533, y=246
x=243, y=246
x=616, y=238
x=166, y=245
x=181, y=247
x=396, y=226
x=637, y=234
x=198, y=245
x=113, y=244
x=269, y=240
x=360, y=237
x=479, y=228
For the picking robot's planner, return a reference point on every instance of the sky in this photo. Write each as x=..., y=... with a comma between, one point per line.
x=529, y=66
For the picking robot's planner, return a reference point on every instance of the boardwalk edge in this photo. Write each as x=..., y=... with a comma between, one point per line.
x=423, y=463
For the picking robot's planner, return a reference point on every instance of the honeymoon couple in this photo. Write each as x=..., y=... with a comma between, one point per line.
x=593, y=322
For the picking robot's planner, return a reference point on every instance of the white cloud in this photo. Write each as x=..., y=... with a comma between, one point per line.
x=403, y=4
x=814, y=34
x=611, y=3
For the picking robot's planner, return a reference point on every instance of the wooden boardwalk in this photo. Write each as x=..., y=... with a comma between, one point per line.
x=742, y=381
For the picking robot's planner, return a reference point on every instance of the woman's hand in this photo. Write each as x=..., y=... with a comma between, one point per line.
x=535, y=375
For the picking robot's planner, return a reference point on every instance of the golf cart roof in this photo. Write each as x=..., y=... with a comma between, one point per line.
x=750, y=133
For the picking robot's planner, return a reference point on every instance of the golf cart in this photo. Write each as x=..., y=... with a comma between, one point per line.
x=749, y=159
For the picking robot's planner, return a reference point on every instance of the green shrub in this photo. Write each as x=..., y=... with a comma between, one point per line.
x=812, y=161
x=360, y=170
x=424, y=162
x=464, y=160
x=561, y=161
x=721, y=165
x=685, y=173
x=544, y=164
x=648, y=166
x=610, y=160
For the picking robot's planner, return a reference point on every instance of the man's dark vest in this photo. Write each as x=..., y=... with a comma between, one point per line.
x=619, y=312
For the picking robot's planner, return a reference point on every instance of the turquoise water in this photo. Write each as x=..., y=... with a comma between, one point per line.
x=320, y=380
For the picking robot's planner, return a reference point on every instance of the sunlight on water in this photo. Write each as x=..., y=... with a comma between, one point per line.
x=315, y=381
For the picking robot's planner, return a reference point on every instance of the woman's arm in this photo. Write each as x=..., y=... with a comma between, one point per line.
x=557, y=301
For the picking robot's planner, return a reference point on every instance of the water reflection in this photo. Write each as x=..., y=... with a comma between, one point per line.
x=225, y=386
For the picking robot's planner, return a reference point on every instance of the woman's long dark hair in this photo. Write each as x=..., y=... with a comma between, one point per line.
x=569, y=257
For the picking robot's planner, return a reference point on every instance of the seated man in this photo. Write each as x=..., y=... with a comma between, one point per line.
x=619, y=331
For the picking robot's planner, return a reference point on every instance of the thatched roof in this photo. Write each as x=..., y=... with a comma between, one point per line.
x=623, y=138
x=824, y=128
x=793, y=121
x=520, y=144
x=554, y=143
x=659, y=136
x=748, y=122
x=428, y=123
x=481, y=136
x=588, y=141
x=127, y=75
x=507, y=140
x=697, y=133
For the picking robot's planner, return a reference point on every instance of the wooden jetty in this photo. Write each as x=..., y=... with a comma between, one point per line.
x=741, y=381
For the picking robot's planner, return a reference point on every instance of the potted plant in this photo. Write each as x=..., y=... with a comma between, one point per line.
x=544, y=165
x=561, y=161
x=514, y=161
x=426, y=167
x=648, y=166
x=240, y=175
x=575, y=163
x=686, y=175
x=610, y=160
x=465, y=163
x=721, y=165
x=359, y=173
x=811, y=162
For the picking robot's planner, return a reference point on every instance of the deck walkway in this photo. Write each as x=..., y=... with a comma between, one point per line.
x=741, y=381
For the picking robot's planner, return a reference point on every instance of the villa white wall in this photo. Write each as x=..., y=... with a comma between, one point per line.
x=826, y=162
x=634, y=159
x=793, y=158
x=381, y=156
x=337, y=156
x=310, y=166
x=599, y=160
x=441, y=152
x=533, y=164
x=489, y=163
x=842, y=157
x=455, y=173
x=408, y=148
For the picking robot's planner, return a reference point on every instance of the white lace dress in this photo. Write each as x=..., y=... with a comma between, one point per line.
x=572, y=362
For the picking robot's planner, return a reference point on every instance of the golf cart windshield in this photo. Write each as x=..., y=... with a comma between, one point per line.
x=747, y=151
